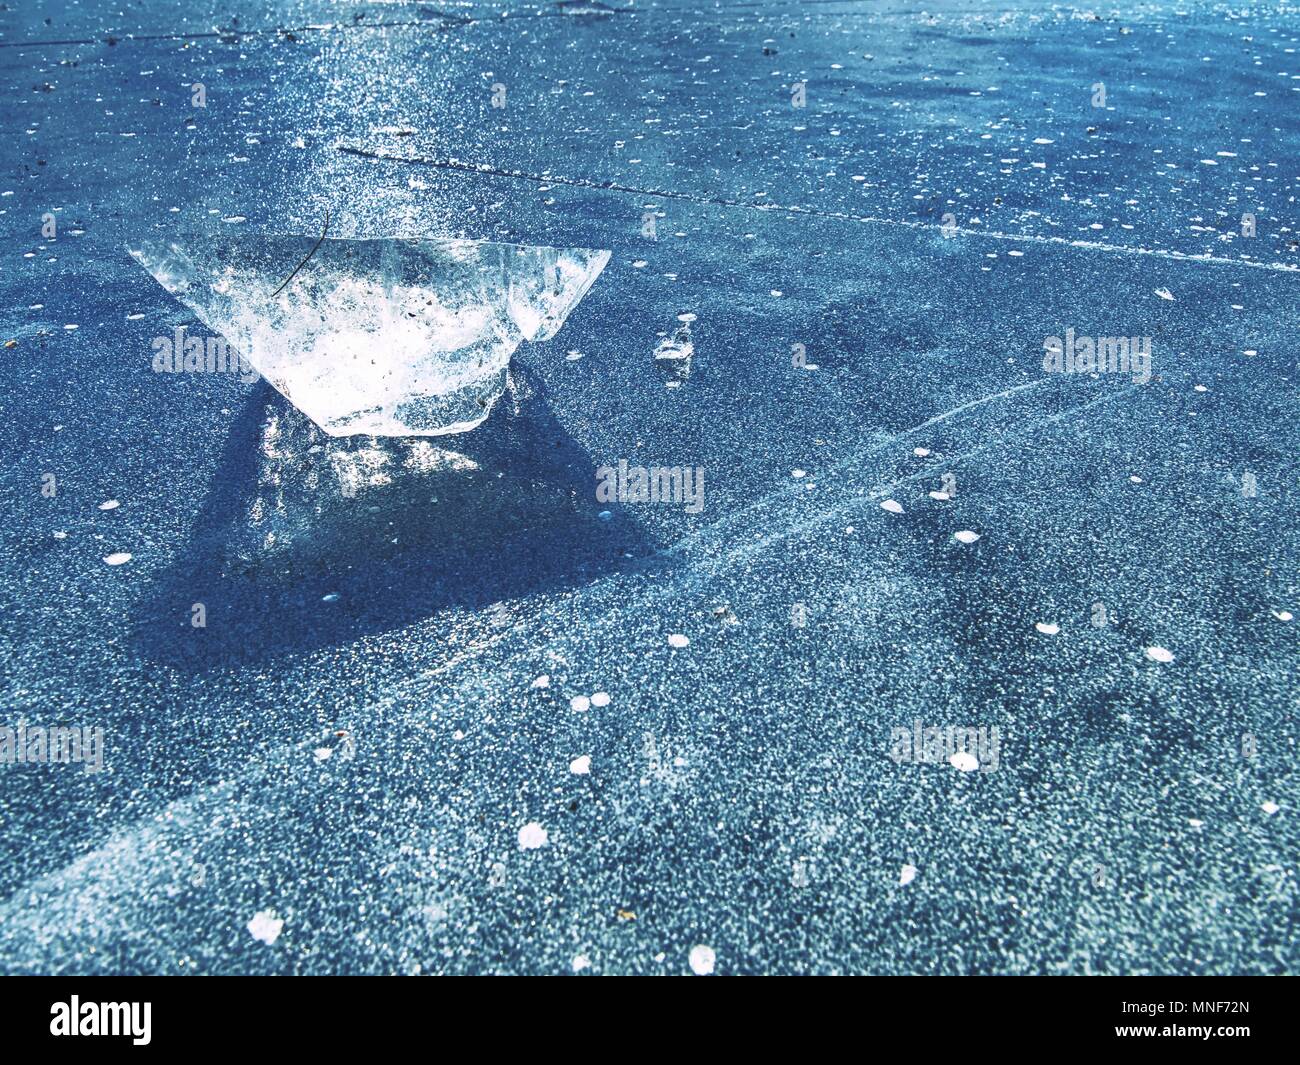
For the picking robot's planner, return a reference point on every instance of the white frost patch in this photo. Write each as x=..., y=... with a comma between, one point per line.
x=1164, y=294
x=892, y=505
x=1283, y=615
x=600, y=699
x=965, y=536
x=702, y=960
x=580, y=703
x=532, y=836
x=1270, y=808
x=109, y=504
x=323, y=753
x=941, y=496
x=921, y=452
x=544, y=681
x=1160, y=654
x=964, y=760
x=581, y=765
x=906, y=875
x=1047, y=628
x=581, y=962
x=265, y=927
x=676, y=639
x=118, y=558
x=798, y=473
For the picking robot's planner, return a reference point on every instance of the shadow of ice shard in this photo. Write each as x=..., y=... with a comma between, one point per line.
x=394, y=337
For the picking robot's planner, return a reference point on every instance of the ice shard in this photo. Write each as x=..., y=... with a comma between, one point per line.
x=394, y=337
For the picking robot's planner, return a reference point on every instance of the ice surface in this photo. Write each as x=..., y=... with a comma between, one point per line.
x=389, y=337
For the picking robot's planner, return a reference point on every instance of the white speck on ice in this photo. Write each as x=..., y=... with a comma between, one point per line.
x=964, y=760
x=677, y=640
x=906, y=875
x=544, y=681
x=581, y=962
x=702, y=960
x=1283, y=615
x=265, y=927
x=892, y=505
x=1164, y=294
x=532, y=836
x=798, y=473
x=600, y=699
x=580, y=703
x=1047, y=628
x=941, y=496
x=1270, y=808
x=117, y=558
x=109, y=504
x=920, y=452
x=581, y=765
x=965, y=536
x=323, y=753
x=1160, y=654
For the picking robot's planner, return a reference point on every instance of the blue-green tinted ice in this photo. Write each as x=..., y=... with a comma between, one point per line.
x=383, y=337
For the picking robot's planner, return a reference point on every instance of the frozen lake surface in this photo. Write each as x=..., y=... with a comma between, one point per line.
x=449, y=710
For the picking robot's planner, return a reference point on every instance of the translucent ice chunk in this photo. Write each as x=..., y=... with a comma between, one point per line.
x=382, y=337
x=673, y=355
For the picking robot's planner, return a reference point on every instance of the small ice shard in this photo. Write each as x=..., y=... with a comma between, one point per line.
x=580, y=703
x=906, y=875
x=673, y=355
x=676, y=639
x=394, y=337
x=1270, y=807
x=702, y=959
x=581, y=765
x=265, y=927
x=964, y=760
x=1160, y=654
x=532, y=836
x=966, y=536
x=118, y=558
x=1164, y=294
x=600, y=699
x=1047, y=628
x=892, y=505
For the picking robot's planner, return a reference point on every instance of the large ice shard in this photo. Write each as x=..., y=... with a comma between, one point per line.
x=392, y=337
